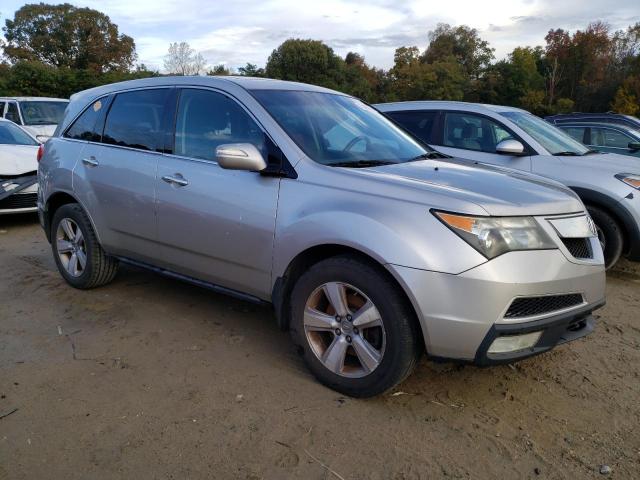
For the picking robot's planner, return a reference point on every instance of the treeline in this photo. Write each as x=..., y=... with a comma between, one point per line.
x=56, y=50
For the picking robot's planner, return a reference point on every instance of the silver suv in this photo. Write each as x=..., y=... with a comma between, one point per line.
x=607, y=183
x=370, y=246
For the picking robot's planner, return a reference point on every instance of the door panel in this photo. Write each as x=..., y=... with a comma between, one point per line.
x=116, y=179
x=215, y=224
x=220, y=226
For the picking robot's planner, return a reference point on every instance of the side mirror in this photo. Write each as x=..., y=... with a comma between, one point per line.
x=240, y=156
x=510, y=147
x=633, y=146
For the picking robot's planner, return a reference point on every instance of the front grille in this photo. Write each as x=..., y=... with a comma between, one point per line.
x=19, y=200
x=530, y=306
x=578, y=247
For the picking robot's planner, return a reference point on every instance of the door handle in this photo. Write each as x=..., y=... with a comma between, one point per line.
x=176, y=179
x=90, y=161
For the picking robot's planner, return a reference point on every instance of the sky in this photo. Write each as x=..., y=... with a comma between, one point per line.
x=236, y=32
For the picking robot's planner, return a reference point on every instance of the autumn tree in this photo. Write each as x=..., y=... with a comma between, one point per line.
x=64, y=36
x=181, y=59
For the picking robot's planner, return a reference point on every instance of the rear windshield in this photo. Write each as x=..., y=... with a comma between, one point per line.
x=11, y=134
x=42, y=112
x=336, y=129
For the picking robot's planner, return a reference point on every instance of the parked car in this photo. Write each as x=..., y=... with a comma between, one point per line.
x=609, y=117
x=605, y=137
x=18, y=166
x=607, y=183
x=38, y=115
x=369, y=245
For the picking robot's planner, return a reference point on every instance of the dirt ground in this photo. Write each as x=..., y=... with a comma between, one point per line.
x=152, y=378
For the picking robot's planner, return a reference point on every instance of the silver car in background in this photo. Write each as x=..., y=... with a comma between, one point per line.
x=370, y=246
x=607, y=183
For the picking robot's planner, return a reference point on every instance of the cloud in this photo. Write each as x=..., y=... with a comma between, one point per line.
x=241, y=31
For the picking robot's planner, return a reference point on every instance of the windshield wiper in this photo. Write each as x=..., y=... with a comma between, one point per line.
x=361, y=163
x=567, y=154
x=428, y=155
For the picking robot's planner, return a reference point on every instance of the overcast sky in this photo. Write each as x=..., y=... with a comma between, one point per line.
x=236, y=32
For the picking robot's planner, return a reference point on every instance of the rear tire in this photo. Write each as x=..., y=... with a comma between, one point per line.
x=80, y=259
x=609, y=234
x=376, y=333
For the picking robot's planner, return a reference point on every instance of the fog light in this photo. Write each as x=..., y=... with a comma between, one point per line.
x=513, y=343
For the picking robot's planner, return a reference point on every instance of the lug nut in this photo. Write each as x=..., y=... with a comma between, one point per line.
x=348, y=338
x=338, y=318
x=355, y=329
x=338, y=331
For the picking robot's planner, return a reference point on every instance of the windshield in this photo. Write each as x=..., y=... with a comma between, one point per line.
x=338, y=130
x=551, y=138
x=42, y=112
x=11, y=134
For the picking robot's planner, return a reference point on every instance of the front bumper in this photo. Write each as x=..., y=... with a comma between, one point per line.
x=556, y=330
x=458, y=313
x=24, y=201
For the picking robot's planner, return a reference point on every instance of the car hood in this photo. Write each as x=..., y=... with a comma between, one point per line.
x=44, y=130
x=499, y=191
x=18, y=159
x=610, y=162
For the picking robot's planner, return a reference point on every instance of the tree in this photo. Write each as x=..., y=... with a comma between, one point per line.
x=461, y=43
x=219, y=70
x=183, y=60
x=251, y=70
x=65, y=36
x=309, y=61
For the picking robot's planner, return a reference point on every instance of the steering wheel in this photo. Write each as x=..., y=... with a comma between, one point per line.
x=354, y=141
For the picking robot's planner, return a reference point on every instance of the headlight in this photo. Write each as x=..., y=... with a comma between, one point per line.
x=493, y=236
x=630, y=179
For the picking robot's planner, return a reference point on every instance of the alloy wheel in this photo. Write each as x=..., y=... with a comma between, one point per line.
x=71, y=247
x=344, y=329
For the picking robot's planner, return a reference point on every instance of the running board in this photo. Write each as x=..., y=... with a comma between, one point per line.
x=194, y=281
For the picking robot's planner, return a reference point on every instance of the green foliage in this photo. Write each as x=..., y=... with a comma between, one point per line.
x=565, y=105
x=624, y=102
x=65, y=36
x=57, y=50
x=308, y=61
x=251, y=70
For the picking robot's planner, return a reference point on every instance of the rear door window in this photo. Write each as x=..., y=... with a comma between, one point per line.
x=420, y=123
x=577, y=133
x=135, y=119
x=84, y=128
x=2, y=104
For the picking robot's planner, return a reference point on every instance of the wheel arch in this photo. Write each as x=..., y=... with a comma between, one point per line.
x=283, y=285
x=613, y=207
x=54, y=202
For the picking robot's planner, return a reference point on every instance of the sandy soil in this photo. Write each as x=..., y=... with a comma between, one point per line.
x=152, y=378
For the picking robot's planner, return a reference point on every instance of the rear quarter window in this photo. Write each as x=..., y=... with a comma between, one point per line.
x=84, y=127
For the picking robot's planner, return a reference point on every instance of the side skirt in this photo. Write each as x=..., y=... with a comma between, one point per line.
x=194, y=281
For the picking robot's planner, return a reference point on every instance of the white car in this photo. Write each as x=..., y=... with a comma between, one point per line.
x=37, y=115
x=18, y=169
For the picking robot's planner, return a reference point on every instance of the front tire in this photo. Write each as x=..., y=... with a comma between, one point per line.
x=80, y=259
x=609, y=235
x=357, y=332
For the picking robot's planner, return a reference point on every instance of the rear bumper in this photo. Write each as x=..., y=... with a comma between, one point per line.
x=459, y=313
